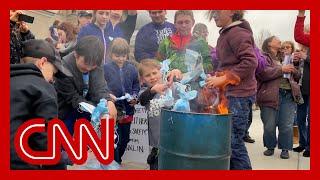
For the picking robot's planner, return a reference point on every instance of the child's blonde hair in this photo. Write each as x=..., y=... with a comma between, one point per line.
x=119, y=46
x=148, y=64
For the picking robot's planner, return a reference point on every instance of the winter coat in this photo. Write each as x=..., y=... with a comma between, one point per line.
x=235, y=52
x=121, y=81
x=305, y=87
x=299, y=34
x=123, y=29
x=16, y=40
x=31, y=96
x=93, y=29
x=70, y=89
x=269, y=83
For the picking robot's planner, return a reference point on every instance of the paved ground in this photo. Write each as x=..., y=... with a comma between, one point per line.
x=258, y=160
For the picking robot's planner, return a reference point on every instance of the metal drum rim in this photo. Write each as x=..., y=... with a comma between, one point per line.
x=195, y=113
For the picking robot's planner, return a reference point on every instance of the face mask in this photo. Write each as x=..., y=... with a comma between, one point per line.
x=165, y=69
x=193, y=61
x=98, y=112
x=185, y=95
x=126, y=96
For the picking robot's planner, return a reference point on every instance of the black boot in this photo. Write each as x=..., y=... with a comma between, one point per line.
x=152, y=159
x=298, y=149
x=306, y=153
x=248, y=139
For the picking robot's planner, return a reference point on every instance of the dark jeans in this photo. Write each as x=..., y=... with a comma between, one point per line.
x=72, y=117
x=69, y=121
x=303, y=120
x=295, y=121
x=240, y=109
x=249, y=121
x=123, y=138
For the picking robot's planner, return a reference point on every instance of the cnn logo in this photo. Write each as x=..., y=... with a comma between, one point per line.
x=58, y=137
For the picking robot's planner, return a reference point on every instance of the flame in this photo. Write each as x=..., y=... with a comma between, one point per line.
x=232, y=79
x=206, y=96
x=222, y=109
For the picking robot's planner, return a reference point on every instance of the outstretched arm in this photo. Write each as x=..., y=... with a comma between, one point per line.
x=299, y=35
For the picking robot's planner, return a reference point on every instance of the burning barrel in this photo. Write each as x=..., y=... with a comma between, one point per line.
x=194, y=140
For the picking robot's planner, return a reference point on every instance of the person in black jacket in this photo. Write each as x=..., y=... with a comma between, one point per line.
x=19, y=32
x=87, y=83
x=303, y=110
x=32, y=96
x=302, y=36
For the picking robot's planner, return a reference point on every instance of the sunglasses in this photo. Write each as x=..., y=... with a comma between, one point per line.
x=286, y=47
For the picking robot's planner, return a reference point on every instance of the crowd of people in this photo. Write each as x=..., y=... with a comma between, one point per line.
x=91, y=61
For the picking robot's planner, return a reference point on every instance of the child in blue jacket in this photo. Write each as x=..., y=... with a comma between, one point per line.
x=122, y=78
x=98, y=28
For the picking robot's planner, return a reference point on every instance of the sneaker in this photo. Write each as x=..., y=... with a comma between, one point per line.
x=284, y=154
x=268, y=152
x=306, y=153
x=298, y=149
x=248, y=139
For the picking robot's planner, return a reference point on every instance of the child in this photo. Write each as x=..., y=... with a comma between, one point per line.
x=174, y=47
x=87, y=83
x=149, y=71
x=32, y=96
x=97, y=27
x=122, y=78
x=235, y=52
